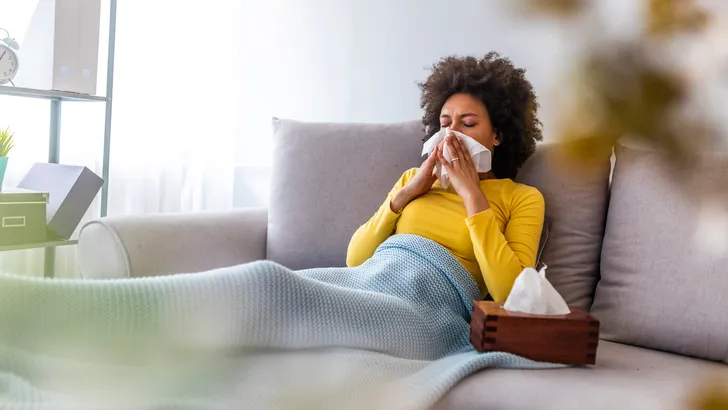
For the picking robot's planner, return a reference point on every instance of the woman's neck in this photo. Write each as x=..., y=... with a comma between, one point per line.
x=486, y=175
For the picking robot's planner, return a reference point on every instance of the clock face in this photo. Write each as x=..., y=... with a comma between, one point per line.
x=8, y=63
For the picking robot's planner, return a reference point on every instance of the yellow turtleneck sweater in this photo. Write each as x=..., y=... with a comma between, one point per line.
x=494, y=245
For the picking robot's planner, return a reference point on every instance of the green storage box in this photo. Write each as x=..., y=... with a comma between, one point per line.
x=22, y=216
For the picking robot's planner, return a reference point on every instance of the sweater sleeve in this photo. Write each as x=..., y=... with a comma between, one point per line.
x=502, y=256
x=378, y=228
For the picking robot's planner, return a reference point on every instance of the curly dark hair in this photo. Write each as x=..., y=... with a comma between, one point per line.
x=507, y=94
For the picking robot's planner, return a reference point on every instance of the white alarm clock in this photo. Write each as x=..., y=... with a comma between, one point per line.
x=8, y=59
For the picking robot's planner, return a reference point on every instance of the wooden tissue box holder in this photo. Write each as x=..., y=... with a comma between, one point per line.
x=565, y=339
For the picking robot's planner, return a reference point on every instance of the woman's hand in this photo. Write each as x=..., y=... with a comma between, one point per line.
x=420, y=184
x=463, y=175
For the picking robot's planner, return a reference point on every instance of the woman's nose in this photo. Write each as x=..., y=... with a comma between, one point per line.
x=456, y=127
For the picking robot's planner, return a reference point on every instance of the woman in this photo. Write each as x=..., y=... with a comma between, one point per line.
x=488, y=222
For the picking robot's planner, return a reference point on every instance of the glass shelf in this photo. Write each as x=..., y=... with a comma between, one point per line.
x=48, y=94
x=49, y=244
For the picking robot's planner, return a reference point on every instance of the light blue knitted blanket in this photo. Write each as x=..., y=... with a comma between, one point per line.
x=392, y=333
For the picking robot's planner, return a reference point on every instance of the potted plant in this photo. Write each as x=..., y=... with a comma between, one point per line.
x=6, y=144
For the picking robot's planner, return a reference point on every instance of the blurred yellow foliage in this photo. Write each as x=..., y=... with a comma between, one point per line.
x=633, y=88
x=712, y=397
x=623, y=94
x=562, y=8
x=667, y=18
x=629, y=89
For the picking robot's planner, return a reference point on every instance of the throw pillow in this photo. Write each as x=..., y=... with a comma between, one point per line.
x=328, y=179
x=661, y=287
x=576, y=205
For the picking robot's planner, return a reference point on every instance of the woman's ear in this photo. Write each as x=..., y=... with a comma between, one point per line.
x=497, y=139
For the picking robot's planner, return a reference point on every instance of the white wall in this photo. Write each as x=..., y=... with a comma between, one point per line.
x=360, y=60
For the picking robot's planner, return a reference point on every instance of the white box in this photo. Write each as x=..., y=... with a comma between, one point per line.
x=71, y=191
x=59, y=50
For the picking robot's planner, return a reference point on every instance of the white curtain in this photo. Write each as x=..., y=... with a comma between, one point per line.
x=189, y=132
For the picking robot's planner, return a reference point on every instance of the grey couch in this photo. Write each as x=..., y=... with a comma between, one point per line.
x=622, y=246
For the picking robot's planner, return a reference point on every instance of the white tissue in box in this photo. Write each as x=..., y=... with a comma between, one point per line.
x=533, y=293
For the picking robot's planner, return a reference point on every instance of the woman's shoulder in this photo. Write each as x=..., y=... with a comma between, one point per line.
x=528, y=195
x=527, y=190
x=520, y=193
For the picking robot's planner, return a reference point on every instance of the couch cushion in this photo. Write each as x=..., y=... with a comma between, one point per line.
x=576, y=206
x=660, y=287
x=327, y=180
x=625, y=378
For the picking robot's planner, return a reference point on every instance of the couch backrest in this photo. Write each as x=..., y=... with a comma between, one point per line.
x=330, y=178
x=327, y=180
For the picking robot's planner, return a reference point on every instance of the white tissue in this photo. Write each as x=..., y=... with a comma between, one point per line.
x=533, y=293
x=479, y=153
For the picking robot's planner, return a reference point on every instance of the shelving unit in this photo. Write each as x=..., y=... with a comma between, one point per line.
x=47, y=94
x=56, y=99
x=49, y=244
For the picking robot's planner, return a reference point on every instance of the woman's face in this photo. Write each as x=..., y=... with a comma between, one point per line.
x=468, y=115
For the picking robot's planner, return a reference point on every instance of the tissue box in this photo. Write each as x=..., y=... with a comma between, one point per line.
x=566, y=339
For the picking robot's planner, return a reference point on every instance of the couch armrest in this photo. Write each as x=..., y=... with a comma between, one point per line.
x=153, y=245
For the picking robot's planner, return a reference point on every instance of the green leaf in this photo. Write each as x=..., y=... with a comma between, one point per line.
x=7, y=141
